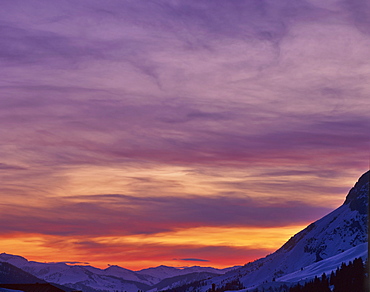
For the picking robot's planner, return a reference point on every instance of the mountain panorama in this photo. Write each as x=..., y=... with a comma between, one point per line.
x=328, y=255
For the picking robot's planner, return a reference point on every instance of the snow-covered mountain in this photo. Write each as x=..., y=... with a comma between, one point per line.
x=177, y=281
x=326, y=265
x=113, y=278
x=164, y=272
x=320, y=247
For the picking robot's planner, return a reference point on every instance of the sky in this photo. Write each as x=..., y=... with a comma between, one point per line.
x=197, y=132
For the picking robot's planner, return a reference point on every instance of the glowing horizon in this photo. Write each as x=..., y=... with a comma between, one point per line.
x=240, y=239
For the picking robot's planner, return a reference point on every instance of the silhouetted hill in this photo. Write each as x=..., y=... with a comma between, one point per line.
x=10, y=274
x=44, y=287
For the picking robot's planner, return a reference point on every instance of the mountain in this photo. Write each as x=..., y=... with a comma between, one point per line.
x=10, y=274
x=85, y=278
x=338, y=237
x=181, y=280
x=126, y=274
x=13, y=279
x=327, y=265
x=113, y=278
x=161, y=272
x=164, y=272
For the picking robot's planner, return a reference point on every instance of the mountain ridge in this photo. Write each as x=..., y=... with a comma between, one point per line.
x=88, y=278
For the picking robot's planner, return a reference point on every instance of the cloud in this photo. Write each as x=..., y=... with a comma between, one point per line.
x=193, y=260
x=179, y=114
x=109, y=214
x=4, y=166
x=243, y=121
x=360, y=12
x=71, y=263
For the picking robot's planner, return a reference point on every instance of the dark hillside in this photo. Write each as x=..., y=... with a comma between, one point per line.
x=10, y=274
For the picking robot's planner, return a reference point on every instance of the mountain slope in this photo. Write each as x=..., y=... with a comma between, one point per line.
x=10, y=274
x=339, y=231
x=85, y=278
x=177, y=281
x=326, y=266
x=126, y=274
x=164, y=272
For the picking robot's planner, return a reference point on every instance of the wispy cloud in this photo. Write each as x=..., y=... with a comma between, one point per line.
x=193, y=260
x=110, y=214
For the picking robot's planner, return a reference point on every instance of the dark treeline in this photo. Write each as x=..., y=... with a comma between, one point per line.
x=230, y=286
x=352, y=277
x=233, y=285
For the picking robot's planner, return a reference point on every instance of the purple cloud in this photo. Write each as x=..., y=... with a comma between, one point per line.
x=4, y=166
x=109, y=214
x=71, y=263
x=194, y=260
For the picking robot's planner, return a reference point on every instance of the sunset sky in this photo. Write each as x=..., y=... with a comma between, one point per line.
x=177, y=132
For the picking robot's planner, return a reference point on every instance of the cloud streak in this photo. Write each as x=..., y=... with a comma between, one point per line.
x=194, y=260
x=110, y=214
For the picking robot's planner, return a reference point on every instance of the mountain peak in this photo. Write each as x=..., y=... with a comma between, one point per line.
x=116, y=268
x=358, y=196
x=5, y=257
